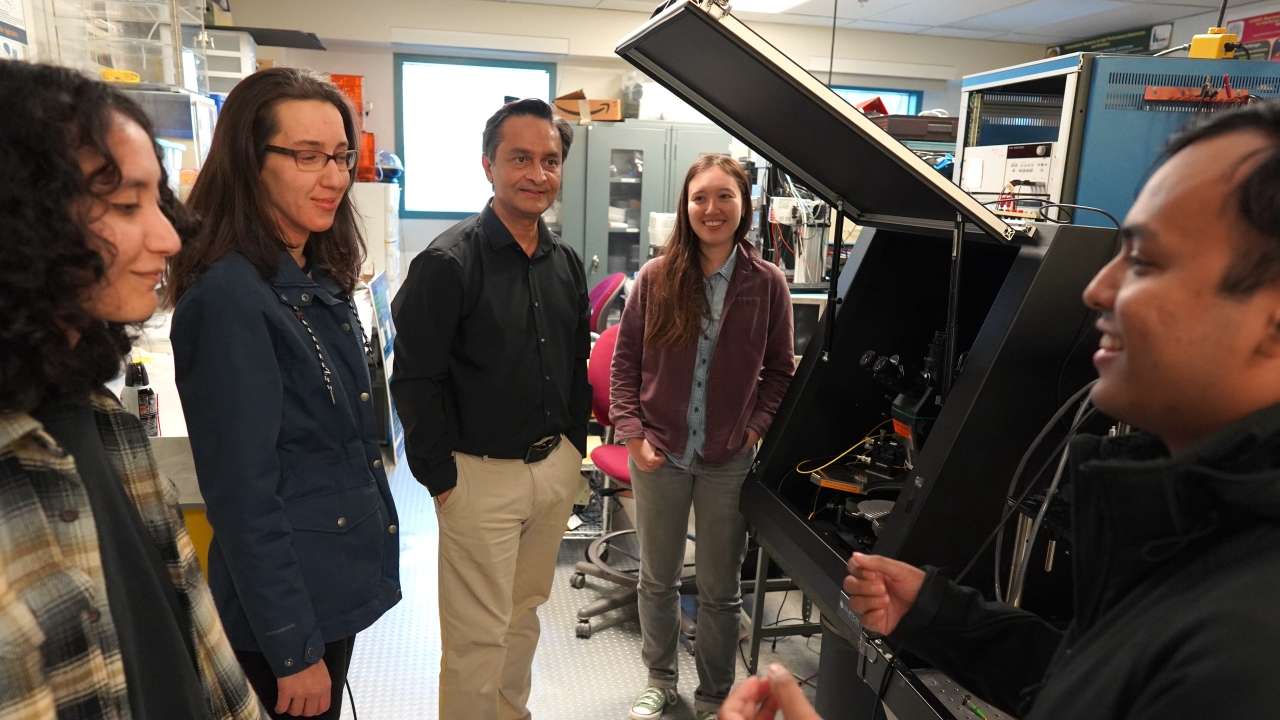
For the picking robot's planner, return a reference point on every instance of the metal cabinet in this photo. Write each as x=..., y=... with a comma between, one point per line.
x=626, y=180
x=618, y=173
x=687, y=144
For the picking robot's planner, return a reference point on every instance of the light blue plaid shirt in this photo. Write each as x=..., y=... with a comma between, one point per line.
x=716, y=286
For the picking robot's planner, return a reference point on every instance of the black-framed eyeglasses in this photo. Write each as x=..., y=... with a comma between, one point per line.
x=314, y=160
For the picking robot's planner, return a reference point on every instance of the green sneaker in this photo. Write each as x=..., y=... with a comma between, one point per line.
x=706, y=715
x=652, y=702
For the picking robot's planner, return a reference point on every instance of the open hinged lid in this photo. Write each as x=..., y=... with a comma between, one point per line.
x=711, y=60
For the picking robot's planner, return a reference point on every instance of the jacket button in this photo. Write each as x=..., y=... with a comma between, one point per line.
x=311, y=652
x=342, y=522
x=392, y=529
x=346, y=327
x=93, y=615
x=364, y=397
x=284, y=298
x=288, y=662
x=70, y=515
x=305, y=297
x=377, y=463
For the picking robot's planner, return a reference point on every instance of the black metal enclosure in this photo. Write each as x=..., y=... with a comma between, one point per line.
x=1026, y=333
x=930, y=259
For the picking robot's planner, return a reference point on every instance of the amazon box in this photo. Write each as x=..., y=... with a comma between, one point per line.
x=576, y=106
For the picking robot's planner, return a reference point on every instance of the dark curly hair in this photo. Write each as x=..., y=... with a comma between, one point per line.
x=49, y=260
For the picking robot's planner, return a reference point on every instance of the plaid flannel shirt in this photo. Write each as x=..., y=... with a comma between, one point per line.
x=59, y=652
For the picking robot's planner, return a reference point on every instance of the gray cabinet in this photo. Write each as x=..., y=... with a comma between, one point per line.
x=626, y=180
x=628, y=170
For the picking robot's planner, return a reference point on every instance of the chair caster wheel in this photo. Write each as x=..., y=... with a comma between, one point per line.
x=584, y=629
x=577, y=581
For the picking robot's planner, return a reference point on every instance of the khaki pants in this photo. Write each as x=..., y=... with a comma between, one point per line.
x=500, y=533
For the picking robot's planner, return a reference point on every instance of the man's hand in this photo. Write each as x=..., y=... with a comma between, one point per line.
x=881, y=590
x=307, y=693
x=444, y=496
x=646, y=456
x=753, y=437
x=757, y=699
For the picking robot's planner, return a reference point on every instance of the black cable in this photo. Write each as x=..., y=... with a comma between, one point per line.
x=776, y=618
x=835, y=12
x=1035, y=479
x=1022, y=466
x=352, y=698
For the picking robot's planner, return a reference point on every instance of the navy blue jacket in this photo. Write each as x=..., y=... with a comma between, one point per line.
x=305, y=548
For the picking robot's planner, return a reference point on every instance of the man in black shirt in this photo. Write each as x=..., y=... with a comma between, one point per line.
x=490, y=380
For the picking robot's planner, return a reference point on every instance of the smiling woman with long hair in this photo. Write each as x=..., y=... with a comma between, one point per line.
x=703, y=358
x=271, y=368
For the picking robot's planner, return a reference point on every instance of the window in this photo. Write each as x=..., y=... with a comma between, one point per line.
x=442, y=104
x=898, y=102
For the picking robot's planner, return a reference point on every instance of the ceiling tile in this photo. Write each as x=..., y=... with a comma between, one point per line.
x=1036, y=13
x=876, y=26
x=785, y=18
x=849, y=9
x=1123, y=18
x=942, y=12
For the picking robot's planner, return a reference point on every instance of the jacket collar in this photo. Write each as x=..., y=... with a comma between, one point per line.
x=1136, y=507
x=14, y=426
x=500, y=237
x=294, y=287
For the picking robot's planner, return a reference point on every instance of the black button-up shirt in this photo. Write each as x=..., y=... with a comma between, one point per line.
x=491, y=348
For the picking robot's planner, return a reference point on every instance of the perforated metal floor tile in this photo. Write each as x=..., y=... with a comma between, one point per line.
x=395, y=668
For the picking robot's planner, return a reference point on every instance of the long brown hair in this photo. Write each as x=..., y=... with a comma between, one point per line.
x=677, y=300
x=230, y=198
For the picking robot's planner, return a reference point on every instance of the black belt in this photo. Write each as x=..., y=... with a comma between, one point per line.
x=536, y=452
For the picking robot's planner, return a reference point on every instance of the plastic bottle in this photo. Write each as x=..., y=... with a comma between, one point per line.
x=140, y=399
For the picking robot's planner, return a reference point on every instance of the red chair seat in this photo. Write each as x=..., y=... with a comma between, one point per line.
x=612, y=461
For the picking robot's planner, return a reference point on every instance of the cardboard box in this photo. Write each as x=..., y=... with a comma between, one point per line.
x=576, y=106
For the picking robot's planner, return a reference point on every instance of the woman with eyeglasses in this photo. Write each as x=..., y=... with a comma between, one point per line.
x=271, y=367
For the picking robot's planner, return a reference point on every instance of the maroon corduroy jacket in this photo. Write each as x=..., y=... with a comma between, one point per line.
x=751, y=366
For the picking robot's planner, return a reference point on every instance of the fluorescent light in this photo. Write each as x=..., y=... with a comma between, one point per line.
x=763, y=6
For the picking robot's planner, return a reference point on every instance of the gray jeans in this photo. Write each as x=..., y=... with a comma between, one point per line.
x=663, y=498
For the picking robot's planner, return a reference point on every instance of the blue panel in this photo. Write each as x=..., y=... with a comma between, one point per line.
x=1019, y=73
x=1124, y=135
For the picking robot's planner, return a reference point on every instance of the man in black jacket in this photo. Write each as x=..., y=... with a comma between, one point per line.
x=1176, y=528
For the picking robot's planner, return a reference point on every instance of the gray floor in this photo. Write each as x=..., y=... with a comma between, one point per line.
x=395, y=666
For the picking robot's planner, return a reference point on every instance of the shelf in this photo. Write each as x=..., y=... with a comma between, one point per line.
x=624, y=180
x=613, y=231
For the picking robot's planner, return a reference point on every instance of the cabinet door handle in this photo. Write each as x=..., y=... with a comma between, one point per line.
x=595, y=263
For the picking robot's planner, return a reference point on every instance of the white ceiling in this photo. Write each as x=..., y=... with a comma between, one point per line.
x=1039, y=22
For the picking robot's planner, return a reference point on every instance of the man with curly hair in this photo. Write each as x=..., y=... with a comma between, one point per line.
x=104, y=612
